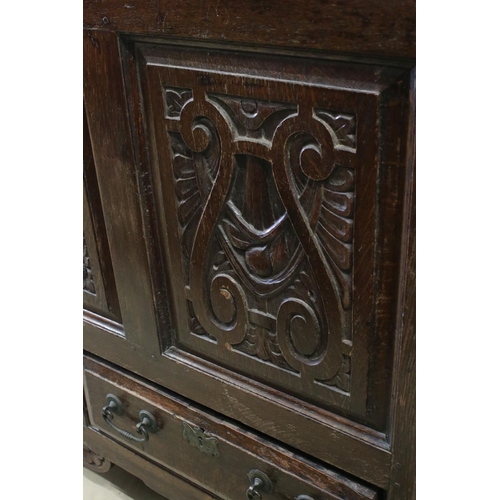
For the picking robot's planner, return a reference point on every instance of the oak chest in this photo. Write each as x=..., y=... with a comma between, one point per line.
x=249, y=247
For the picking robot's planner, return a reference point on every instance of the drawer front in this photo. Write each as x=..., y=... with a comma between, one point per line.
x=217, y=455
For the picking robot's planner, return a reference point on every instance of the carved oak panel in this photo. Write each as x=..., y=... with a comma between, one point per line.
x=268, y=181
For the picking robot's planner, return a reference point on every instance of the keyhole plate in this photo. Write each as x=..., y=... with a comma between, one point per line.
x=200, y=439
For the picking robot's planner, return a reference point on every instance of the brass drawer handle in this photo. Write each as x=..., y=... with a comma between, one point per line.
x=147, y=422
x=260, y=483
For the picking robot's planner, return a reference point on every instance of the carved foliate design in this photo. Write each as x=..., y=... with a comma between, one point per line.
x=88, y=281
x=342, y=380
x=175, y=99
x=344, y=127
x=266, y=222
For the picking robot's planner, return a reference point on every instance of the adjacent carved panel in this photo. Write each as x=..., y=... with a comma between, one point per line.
x=94, y=292
x=99, y=289
x=88, y=281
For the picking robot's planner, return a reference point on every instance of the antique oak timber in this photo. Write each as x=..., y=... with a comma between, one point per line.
x=249, y=247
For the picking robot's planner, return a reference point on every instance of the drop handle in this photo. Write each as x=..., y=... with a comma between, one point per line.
x=147, y=422
x=260, y=483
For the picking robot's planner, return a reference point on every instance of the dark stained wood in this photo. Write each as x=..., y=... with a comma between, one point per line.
x=403, y=470
x=249, y=240
x=94, y=292
x=239, y=451
x=333, y=439
x=99, y=287
x=389, y=228
x=86, y=420
x=354, y=26
x=256, y=253
x=359, y=97
x=115, y=171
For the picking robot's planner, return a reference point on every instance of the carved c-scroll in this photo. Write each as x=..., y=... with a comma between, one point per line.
x=317, y=162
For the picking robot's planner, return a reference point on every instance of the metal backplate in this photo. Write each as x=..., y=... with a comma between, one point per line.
x=153, y=424
x=200, y=439
x=268, y=484
x=118, y=407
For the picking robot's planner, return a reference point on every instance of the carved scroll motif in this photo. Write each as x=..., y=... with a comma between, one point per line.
x=266, y=222
x=88, y=281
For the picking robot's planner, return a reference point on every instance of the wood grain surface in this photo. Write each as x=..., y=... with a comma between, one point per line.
x=352, y=26
x=249, y=237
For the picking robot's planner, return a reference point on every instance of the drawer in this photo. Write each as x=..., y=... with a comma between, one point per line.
x=217, y=455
